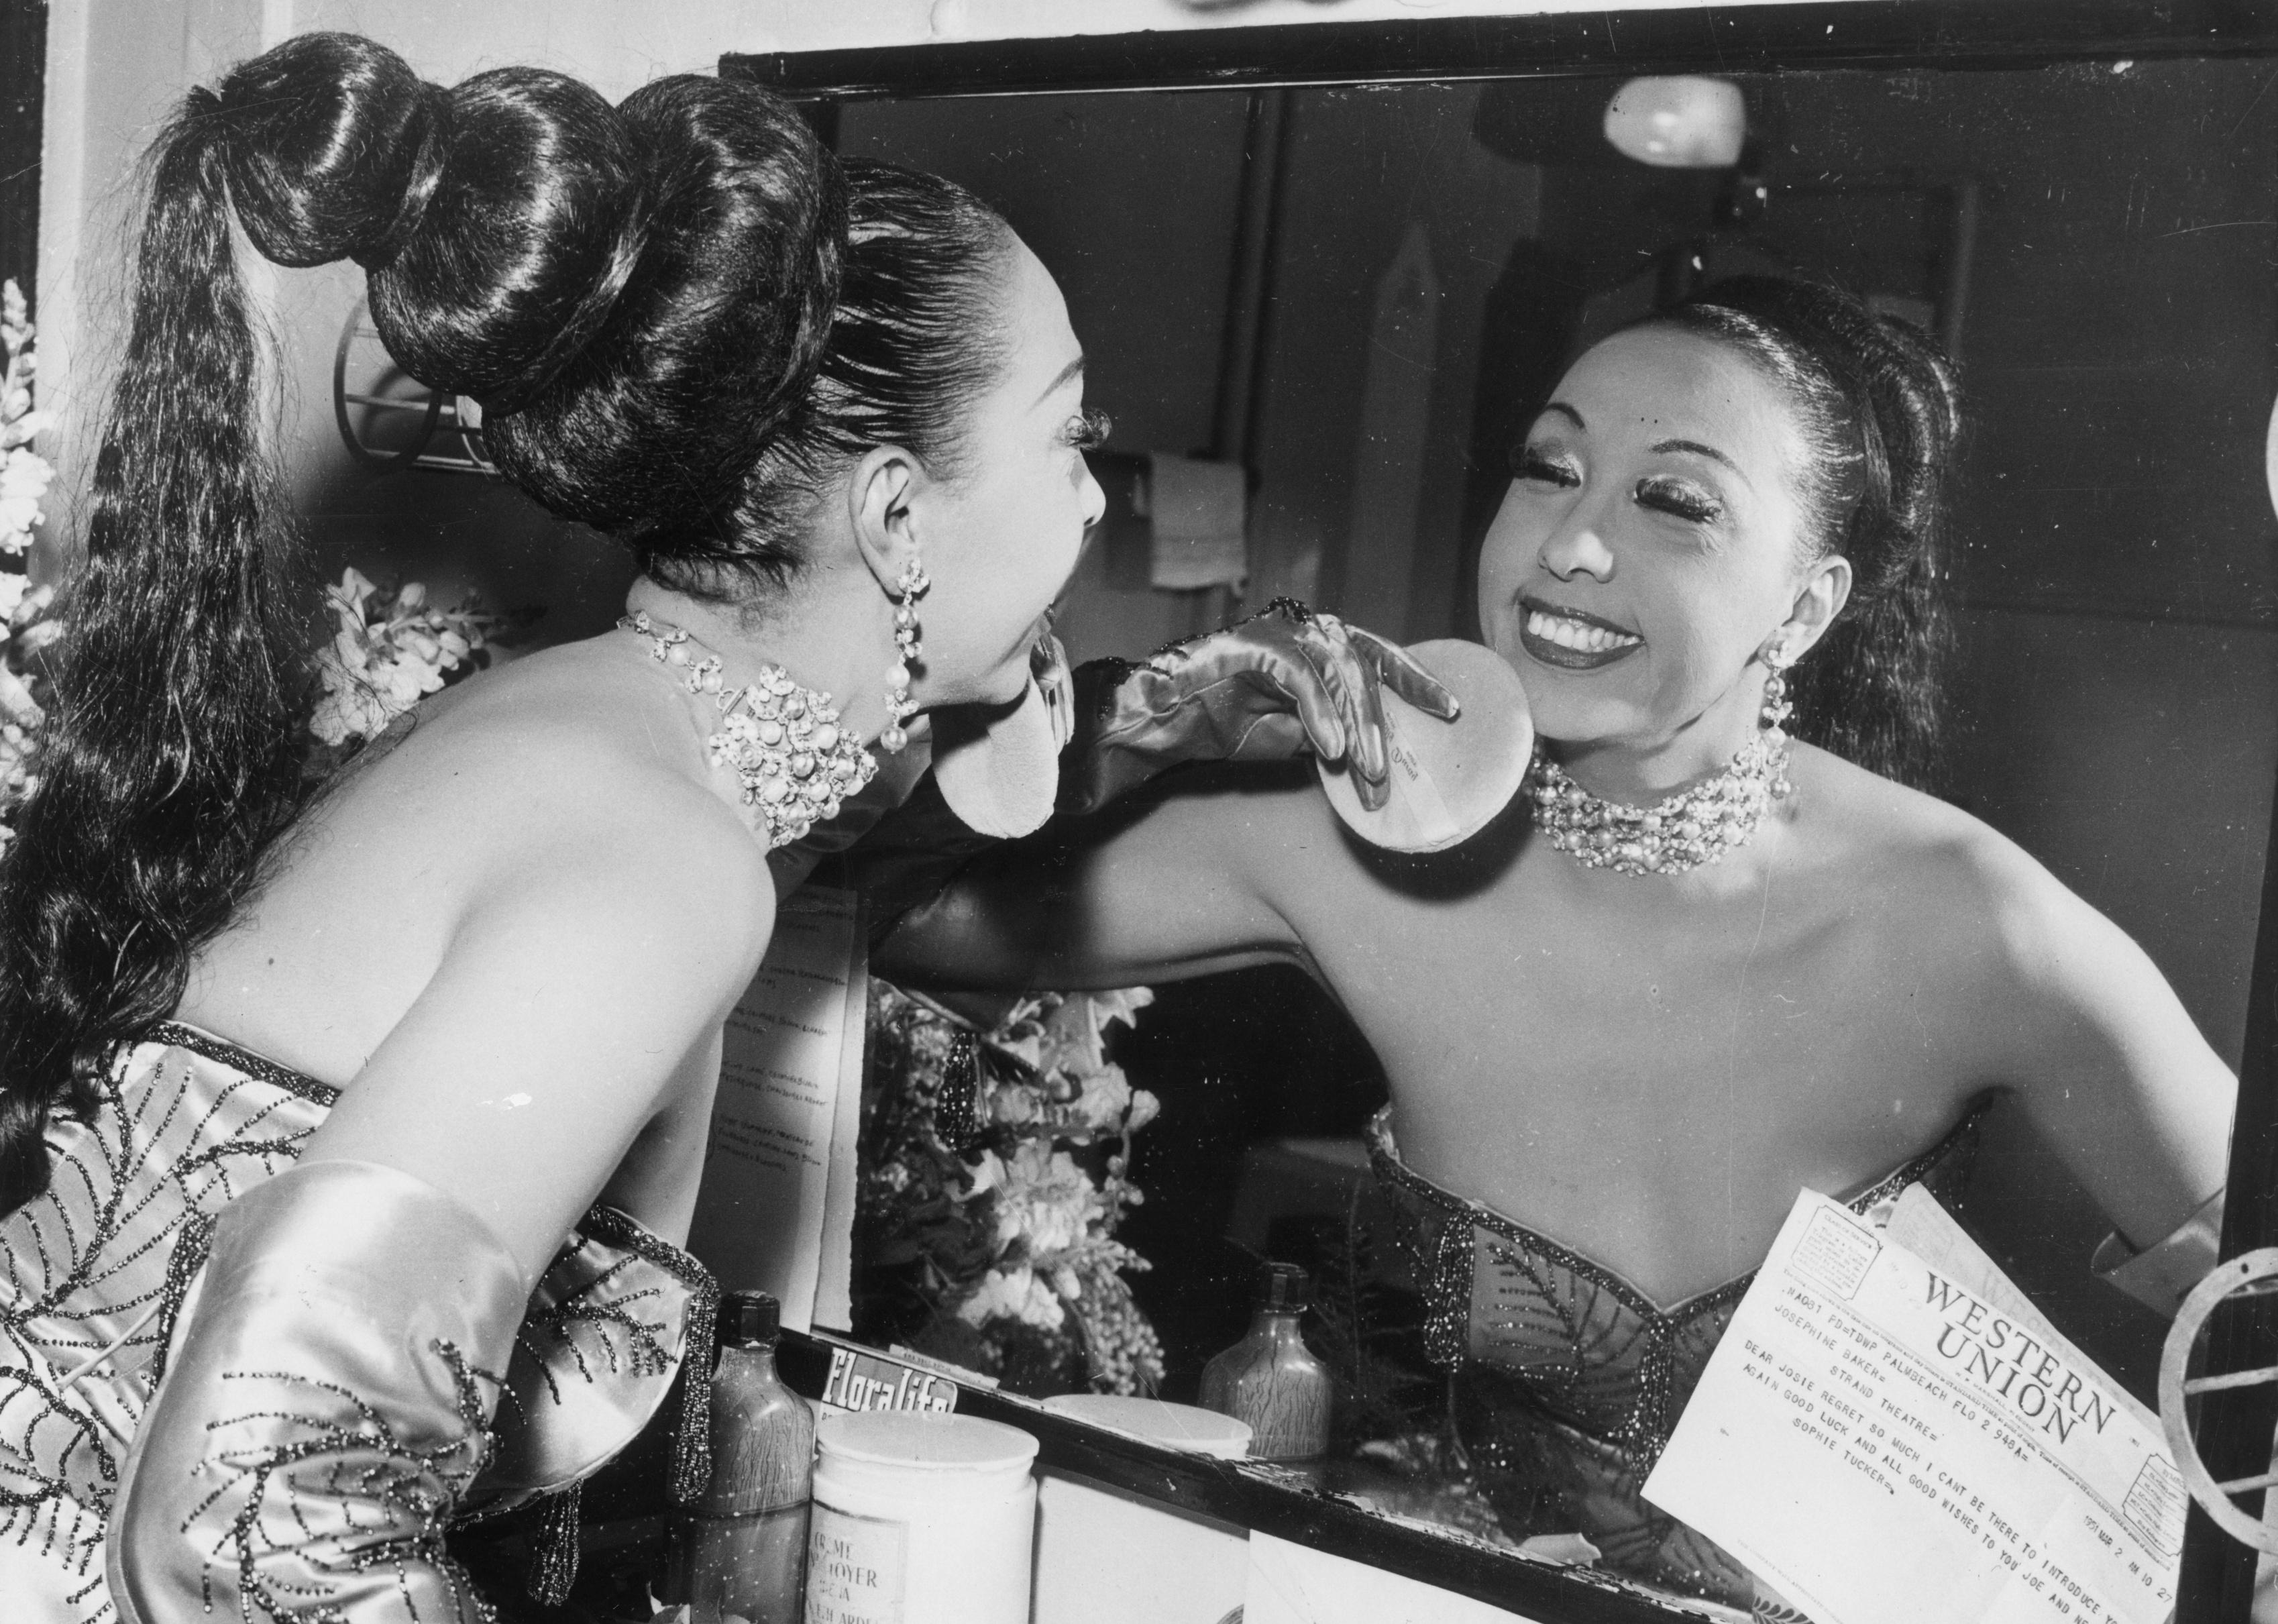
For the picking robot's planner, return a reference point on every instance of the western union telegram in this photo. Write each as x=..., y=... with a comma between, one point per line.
x=1890, y=1434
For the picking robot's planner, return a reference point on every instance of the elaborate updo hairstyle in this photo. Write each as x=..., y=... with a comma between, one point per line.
x=1876, y=403
x=683, y=317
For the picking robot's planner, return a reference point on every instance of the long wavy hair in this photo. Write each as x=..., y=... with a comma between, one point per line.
x=683, y=316
x=1879, y=410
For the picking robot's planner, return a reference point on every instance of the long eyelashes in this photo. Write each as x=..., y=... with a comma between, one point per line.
x=1526, y=462
x=1088, y=429
x=1677, y=502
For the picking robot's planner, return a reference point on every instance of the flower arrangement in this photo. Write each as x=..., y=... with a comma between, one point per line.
x=25, y=630
x=995, y=1166
x=24, y=474
x=391, y=650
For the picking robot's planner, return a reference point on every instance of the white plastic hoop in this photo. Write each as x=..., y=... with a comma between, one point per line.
x=2241, y=1274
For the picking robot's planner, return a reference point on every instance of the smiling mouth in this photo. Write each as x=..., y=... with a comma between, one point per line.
x=1571, y=639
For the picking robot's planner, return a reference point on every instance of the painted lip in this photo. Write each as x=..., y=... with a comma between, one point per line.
x=1544, y=651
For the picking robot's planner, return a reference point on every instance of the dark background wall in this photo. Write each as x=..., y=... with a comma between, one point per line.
x=23, y=52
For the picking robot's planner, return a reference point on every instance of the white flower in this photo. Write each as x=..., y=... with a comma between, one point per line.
x=390, y=652
x=23, y=483
x=1106, y=1101
x=16, y=702
x=13, y=588
x=24, y=618
x=984, y=1175
x=349, y=598
x=22, y=429
x=25, y=475
x=1046, y=1202
x=1124, y=1005
x=1014, y=1294
x=15, y=328
x=1012, y=1104
x=350, y=708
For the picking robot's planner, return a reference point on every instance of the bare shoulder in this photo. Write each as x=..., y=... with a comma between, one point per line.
x=1953, y=877
x=557, y=774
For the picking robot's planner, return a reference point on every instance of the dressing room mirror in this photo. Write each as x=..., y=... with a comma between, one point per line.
x=1357, y=294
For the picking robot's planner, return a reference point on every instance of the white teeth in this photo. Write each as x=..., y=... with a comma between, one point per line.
x=1579, y=635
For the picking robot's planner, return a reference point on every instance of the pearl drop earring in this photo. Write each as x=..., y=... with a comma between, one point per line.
x=909, y=586
x=1776, y=709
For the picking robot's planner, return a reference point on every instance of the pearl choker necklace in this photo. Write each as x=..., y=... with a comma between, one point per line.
x=797, y=765
x=1689, y=830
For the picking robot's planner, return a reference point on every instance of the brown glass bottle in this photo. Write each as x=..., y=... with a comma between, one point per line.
x=741, y=1549
x=1270, y=1378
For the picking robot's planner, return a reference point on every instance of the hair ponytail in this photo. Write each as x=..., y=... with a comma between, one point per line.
x=169, y=762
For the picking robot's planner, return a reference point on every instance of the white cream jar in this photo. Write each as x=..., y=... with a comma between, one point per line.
x=920, y=1518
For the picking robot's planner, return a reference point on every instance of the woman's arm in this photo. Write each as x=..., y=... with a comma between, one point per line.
x=2108, y=1064
x=1178, y=882
x=586, y=975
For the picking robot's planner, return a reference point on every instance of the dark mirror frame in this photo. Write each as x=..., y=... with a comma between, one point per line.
x=2233, y=1428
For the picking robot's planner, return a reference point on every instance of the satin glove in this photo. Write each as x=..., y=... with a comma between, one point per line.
x=1284, y=681
x=327, y=1403
x=2163, y=1274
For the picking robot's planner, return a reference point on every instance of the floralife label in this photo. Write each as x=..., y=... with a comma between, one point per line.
x=1889, y=1433
x=856, y=1567
x=872, y=1382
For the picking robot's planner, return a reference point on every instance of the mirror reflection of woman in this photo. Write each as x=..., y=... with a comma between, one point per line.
x=1621, y=1033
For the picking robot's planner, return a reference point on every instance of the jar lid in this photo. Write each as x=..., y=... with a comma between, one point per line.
x=1181, y=1426
x=925, y=1440
x=750, y=1319
x=1283, y=1288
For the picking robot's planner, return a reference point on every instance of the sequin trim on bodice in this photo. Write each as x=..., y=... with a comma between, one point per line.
x=1605, y=1356
x=1568, y=1378
x=93, y=1270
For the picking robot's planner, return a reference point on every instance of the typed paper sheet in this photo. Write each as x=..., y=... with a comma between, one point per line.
x=776, y=1211
x=1888, y=1437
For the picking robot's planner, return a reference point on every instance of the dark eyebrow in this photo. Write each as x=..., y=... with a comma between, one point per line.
x=1073, y=369
x=1710, y=452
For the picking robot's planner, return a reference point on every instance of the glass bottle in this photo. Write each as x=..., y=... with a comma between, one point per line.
x=1270, y=1378
x=740, y=1550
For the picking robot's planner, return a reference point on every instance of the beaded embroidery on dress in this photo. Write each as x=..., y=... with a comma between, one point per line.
x=1566, y=1379
x=185, y=1124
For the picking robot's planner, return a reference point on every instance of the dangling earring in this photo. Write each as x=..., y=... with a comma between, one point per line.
x=909, y=586
x=1773, y=715
x=1776, y=707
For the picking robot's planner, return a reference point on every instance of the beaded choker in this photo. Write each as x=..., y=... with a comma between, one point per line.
x=1689, y=828
x=797, y=765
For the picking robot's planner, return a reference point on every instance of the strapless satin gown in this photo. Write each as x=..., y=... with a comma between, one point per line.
x=1566, y=1379
x=93, y=1273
